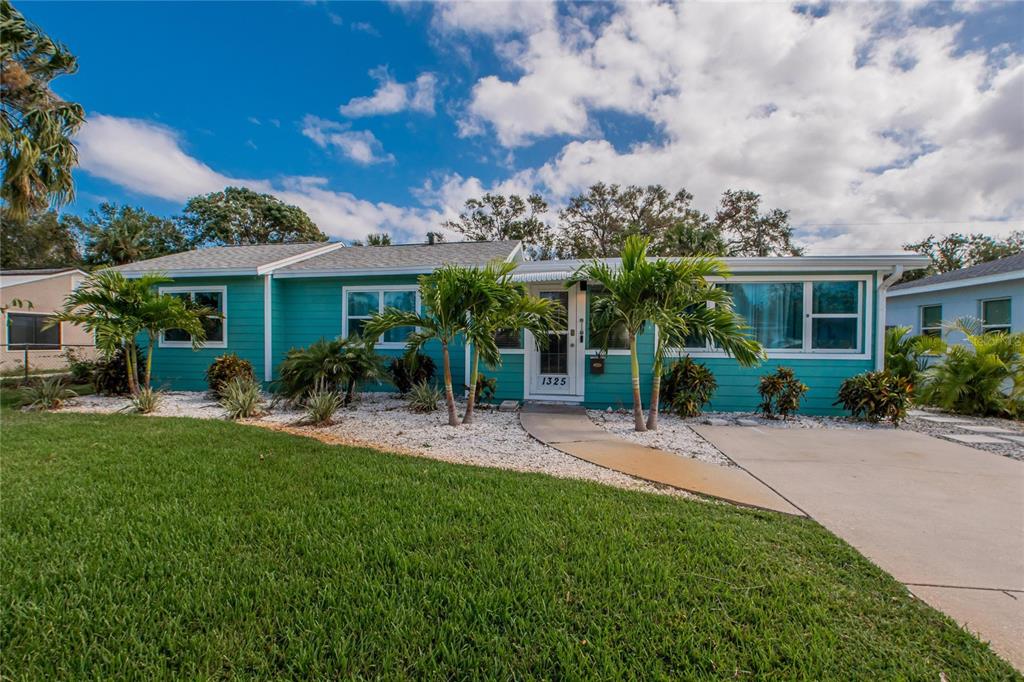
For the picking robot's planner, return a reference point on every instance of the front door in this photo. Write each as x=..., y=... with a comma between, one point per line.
x=554, y=369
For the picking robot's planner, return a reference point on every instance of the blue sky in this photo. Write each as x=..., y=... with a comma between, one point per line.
x=874, y=124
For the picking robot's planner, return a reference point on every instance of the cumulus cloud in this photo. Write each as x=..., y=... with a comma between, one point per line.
x=361, y=146
x=391, y=97
x=148, y=159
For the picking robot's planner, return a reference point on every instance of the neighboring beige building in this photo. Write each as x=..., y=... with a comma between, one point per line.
x=41, y=292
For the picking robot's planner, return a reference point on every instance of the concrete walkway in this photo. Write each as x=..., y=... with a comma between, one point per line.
x=567, y=428
x=945, y=519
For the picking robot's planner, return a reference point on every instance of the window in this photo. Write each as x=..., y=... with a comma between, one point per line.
x=773, y=310
x=995, y=315
x=362, y=303
x=214, y=298
x=25, y=330
x=618, y=339
x=509, y=339
x=931, y=320
x=835, y=315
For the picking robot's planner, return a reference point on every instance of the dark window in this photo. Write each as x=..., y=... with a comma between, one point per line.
x=26, y=331
x=508, y=338
x=995, y=315
x=618, y=339
x=214, y=326
x=931, y=320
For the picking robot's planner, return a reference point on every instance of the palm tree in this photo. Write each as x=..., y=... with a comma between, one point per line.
x=628, y=303
x=906, y=355
x=116, y=310
x=685, y=306
x=448, y=302
x=504, y=305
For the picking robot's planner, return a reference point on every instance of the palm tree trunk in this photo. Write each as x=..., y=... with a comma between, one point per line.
x=449, y=395
x=638, y=408
x=652, y=410
x=130, y=358
x=149, y=361
x=471, y=398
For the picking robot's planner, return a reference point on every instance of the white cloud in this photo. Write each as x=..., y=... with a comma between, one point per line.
x=391, y=97
x=148, y=159
x=365, y=27
x=494, y=17
x=362, y=146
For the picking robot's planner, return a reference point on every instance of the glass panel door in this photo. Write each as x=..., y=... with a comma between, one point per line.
x=554, y=366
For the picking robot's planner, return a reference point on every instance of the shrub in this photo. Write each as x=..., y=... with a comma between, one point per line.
x=80, y=369
x=337, y=365
x=486, y=388
x=876, y=396
x=48, y=394
x=424, y=397
x=241, y=398
x=411, y=369
x=110, y=375
x=780, y=393
x=225, y=368
x=321, y=404
x=907, y=356
x=147, y=401
x=687, y=387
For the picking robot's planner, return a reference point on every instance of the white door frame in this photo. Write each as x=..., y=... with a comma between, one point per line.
x=576, y=351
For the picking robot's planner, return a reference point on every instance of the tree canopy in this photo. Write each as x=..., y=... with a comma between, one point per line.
x=41, y=240
x=114, y=235
x=238, y=215
x=751, y=233
x=496, y=217
x=36, y=125
x=955, y=251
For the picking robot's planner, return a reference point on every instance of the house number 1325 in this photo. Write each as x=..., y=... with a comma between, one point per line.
x=553, y=381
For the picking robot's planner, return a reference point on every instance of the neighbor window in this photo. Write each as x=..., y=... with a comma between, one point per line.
x=995, y=315
x=618, y=339
x=361, y=304
x=931, y=320
x=213, y=298
x=25, y=330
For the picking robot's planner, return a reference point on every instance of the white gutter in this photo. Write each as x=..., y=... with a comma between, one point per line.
x=298, y=258
x=268, y=330
x=897, y=272
x=959, y=283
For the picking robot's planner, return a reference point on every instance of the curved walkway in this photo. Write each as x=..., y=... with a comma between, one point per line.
x=568, y=429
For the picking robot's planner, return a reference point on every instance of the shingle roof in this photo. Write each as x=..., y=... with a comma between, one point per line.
x=403, y=257
x=1009, y=264
x=36, y=271
x=241, y=259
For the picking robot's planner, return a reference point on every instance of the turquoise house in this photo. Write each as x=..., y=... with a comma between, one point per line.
x=821, y=315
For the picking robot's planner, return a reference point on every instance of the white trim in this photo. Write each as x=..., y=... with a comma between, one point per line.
x=920, y=318
x=342, y=272
x=385, y=345
x=518, y=251
x=298, y=258
x=220, y=288
x=194, y=272
x=958, y=283
x=268, y=331
x=883, y=284
x=39, y=278
x=577, y=380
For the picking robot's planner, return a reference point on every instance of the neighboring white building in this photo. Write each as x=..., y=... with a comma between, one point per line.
x=992, y=292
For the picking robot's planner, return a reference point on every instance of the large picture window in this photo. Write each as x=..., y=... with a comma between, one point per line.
x=995, y=315
x=362, y=303
x=774, y=311
x=26, y=330
x=214, y=298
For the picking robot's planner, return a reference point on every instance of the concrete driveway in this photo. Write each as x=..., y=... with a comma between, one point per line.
x=945, y=519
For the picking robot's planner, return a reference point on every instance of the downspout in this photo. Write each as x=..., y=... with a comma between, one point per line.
x=897, y=272
x=268, y=330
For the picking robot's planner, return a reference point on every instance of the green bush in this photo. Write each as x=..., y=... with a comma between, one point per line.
x=241, y=398
x=338, y=365
x=687, y=387
x=877, y=396
x=780, y=393
x=907, y=356
x=424, y=397
x=486, y=389
x=225, y=368
x=80, y=369
x=147, y=401
x=49, y=393
x=110, y=375
x=321, y=404
x=411, y=369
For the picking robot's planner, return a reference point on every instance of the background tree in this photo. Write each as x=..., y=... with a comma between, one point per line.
x=694, y=235
x=750, y=232
x=496, y=217
x=595, y=224
x=36, y=126
x=955, y=251
x=238, y=215
x=374, y=239
x=114, y=235
x=42, y=240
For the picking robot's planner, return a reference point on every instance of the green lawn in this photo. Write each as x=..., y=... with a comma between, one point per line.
x=144, y=547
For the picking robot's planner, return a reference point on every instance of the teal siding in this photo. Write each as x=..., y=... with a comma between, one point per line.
x=184, y=369
x=509, y=376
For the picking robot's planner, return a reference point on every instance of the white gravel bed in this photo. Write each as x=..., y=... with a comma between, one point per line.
x=172, y=404
x=673, y=435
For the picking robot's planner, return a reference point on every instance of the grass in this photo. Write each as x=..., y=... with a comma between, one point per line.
x=157, y=547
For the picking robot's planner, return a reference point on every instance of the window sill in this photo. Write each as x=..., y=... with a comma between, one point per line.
x=780, y=355
x=188, y=344
x=610, y=351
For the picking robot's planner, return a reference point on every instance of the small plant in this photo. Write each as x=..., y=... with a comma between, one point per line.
x=241, y=398
x=781, y=393
x=486, y=388
x=411, y=369
x=225, y=368
x=147, y=400
x=80, y=368
x=321, y=404
x=877, y=396
x=339, y=365
x=424, y=397
x=110, y=375
x=48, y=394
x=687, y=387
x=907, y=356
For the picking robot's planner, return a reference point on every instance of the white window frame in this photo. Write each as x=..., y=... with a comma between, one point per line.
x=985, y=328
x=380, y=288
x=865, y=301
x=223, y=291
x=920, y=319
